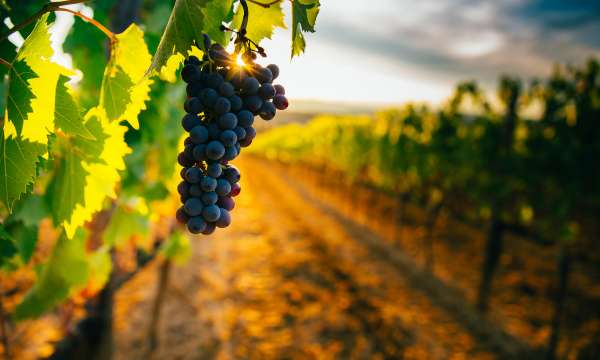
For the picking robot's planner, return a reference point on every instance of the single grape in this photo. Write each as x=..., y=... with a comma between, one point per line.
x=266, y=91
x=208, y=183
x=280, y=102
x=253, y=103
x=211, y=213
x=183, y=188
x=222, y=106
x=188, y=141
x=240, y=132
x=236, y=103
x=209, y=97
x=215, y=150
x=223, y=187
x=230, y=153
x=235, y=189
x=226, y=203
x=279, y=89
x=226, y=89
x=189, y=121
x=193, y=175
x=190, y=73
x=196, y=225
x=188, y=150
x=245, y=142
x=181, y=216
x=267, y=111
x=227, y=121
x=237, y=77
x=250, y=86
x=193, y=105
x=199, y=152
x=199, y=134
x=193, y=207
x=209, y=198
x=183, y=160
x=214, y=169
x=224, y=220
x=245, y=118
x=264, y=75
x=210, y=228
x=250, y=133
x=182, y=173
x=228, y=138
x=232, y=174
x=274, y=70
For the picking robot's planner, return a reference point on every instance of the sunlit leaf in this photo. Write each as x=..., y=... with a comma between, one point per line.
x=19, y=95
x=261, y=21
x=18, y=162
x=185, y=25
x=126, y=223
x=66, y=111
x=124, y=87
x=215, y=13
x=304, y=18
x=66, y=269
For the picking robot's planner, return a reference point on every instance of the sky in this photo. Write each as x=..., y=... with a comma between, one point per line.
x=393, y=51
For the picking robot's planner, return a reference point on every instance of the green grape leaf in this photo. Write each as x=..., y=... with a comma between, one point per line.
x=304, y=18
x=19, y=94
x=66, y=269
x=261, y=21
x=8, y=248
x=126, y=223
x=177, y=248
x=125, y=89
x=215, y=13
x=25, y=239
x=31, y=210
x=92, y=149
x=18, y=162
x=66, y=111
x=66, y=189
x=185, y=25
x=115, y=95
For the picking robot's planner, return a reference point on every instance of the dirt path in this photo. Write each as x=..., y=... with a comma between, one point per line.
x=290, y=279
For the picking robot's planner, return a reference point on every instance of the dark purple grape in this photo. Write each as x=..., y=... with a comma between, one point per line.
x=250, y=86
x=190, y=73
x=199, y=134
x=192, y=60
x=274, y=70
x=226, y=203
x=267, y=111
x=210, y=228
x=209, y=198
x=196, y=191
x=215, y=150
x=214, y=80
x=214, y=169
x=226, y=89
x=279, y=89
x=199, y=152
x=253, y=103
x=227, y=121
x=224, y=220
x=196, y=225
x=266, y=91
x=183, y=188
x=183, y=160
x=181, y=216
x=222, y=106
x=193, y=105
x=223, y=187
x=193, y=175
x=228, y=138
x=240, y=132
x=232, y=174
x=211, y=213
x=193, y=207
x=280, y=102
x=230, y=153
x=245, y=118
x=209, y=97
x=264, y=75
x=208, y=184
x=236, y=103
x=235, y=189
x=189, y=121
x=213, y=131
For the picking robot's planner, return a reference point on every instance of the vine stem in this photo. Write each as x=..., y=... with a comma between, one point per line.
x=5, y=63
x=45, y=9
x=265, y=5
x=100, y=27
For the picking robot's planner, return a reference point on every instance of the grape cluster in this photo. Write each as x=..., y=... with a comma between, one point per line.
x=223, y=98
